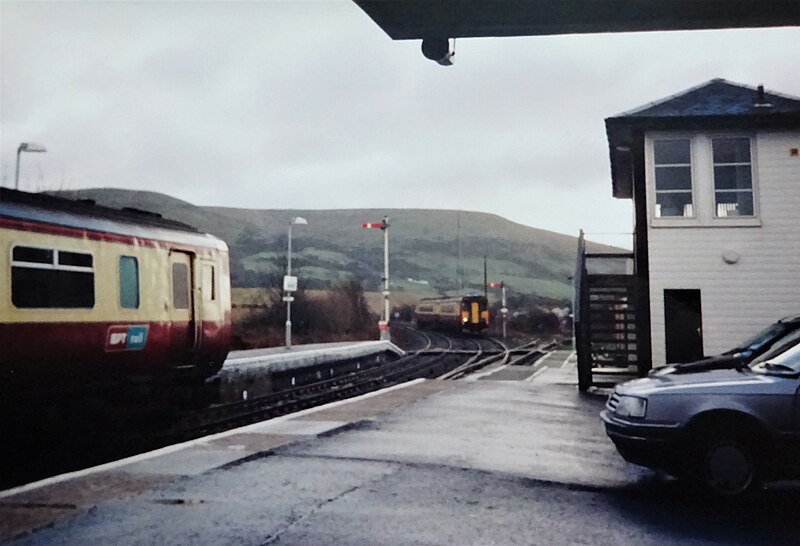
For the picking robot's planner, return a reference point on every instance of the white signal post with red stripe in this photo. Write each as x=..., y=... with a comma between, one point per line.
x=383, y=325
x=503, y=308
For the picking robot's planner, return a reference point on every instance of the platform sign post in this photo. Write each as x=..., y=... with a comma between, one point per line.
x=383, y=325
x=290, y=282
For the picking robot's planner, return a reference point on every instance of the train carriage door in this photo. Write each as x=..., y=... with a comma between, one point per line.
x=209, y=308
x=183, y=335
x=475, y=312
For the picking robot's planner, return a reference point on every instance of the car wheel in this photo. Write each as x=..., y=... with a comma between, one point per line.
x=729, y=466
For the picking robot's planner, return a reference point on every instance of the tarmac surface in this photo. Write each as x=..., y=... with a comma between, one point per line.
x=514, y=455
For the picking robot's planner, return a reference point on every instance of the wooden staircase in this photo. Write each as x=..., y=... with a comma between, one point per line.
x=612, y=333
x=611, y=317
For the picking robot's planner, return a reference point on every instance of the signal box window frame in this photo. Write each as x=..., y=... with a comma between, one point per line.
x=719, y=198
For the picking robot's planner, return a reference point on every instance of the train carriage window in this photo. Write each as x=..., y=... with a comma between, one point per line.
x=209, y=284
x=46, y=278
x=74, y=258
x=180, y=286
x=32, y=255
x=128, y=282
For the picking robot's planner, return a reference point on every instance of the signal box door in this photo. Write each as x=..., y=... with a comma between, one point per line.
x=683, y=325
x=182, y=306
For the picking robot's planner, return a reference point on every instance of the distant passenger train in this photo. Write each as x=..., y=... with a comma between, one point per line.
x=91, y=291
x=468, y=313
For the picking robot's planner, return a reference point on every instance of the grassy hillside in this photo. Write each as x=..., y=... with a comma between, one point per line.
x=333, y=246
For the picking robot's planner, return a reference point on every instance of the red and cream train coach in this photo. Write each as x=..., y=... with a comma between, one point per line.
x=90, y=291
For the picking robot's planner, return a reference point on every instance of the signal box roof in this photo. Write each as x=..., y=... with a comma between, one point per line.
x=716, y=98
x=715, y=105
x=416, y=19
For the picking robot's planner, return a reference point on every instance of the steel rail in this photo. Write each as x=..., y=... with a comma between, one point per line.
x=476, y=362
x=535, y=348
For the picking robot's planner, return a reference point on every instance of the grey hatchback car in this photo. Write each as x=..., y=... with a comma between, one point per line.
x=730, y=428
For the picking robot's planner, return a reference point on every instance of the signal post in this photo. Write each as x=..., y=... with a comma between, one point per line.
x=383, y=325
x=503, y=308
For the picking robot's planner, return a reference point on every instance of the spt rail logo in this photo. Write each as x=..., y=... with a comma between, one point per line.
x=126, y=338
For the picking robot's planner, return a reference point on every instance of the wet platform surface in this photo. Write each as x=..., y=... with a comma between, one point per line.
x=431, y=462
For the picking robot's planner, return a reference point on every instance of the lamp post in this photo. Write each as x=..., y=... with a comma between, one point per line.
x=290, y=282
x=26, y=147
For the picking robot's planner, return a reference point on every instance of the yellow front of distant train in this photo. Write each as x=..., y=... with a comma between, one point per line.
x=467, y=313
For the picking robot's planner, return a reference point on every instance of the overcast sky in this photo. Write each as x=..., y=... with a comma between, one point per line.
x=311, y=105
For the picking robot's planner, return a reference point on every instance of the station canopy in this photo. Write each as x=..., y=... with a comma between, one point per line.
x=421, y=19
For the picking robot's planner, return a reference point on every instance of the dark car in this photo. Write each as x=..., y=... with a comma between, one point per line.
x=729, y=427
x=769, y=339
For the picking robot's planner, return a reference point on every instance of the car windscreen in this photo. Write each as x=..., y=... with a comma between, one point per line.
x=757, y=342
x=779, y=346
x=788, y=360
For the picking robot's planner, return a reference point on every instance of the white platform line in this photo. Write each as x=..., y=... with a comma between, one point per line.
x=536, y=374
x=541, y=358
x=538, y=366
x=191, y=443
x=484, y=373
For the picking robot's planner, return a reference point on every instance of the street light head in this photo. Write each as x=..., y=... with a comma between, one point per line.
x=31, y=147
x=299, y=220
x=26, y=147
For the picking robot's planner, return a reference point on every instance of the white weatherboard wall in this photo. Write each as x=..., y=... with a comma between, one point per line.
x=764, y=285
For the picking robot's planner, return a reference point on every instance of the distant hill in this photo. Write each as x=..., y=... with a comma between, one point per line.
x=333, y=246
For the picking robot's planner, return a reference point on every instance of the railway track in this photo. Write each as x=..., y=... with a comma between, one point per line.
x=480, y=359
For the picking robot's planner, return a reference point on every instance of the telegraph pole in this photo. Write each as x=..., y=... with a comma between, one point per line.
x=458, y=255
x=485, y=281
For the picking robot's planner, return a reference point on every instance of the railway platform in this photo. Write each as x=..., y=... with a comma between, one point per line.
x=300, y=356
x=424, y=462
x=257, y=372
